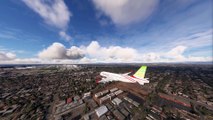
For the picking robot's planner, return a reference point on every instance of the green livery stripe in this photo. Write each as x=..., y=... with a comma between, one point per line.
x=141, y=72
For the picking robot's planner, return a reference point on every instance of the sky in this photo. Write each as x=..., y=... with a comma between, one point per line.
x=105, y=31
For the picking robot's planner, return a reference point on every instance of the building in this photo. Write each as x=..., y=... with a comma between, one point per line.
x=113, y=90
x=104, y=99
x=69, y=100
x=101, y=110
x=103, y=117
x=125, y=112
x=109, y=106
x=97, y=94
x=136, y=104
x=105, y=92
x=112, y=95
x=118, y=115
x=118, y=92
x=90, y=116
x=116, y=101
x=92, y=104
x=76, y=98
x=88, y=94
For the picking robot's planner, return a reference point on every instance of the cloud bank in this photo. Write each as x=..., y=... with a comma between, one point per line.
x=57, y=53
x=4, y=56
x=94, y=53
x=123, y=12
x=111, y=53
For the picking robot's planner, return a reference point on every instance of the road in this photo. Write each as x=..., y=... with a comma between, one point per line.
x=192, y=101
x=195, y=103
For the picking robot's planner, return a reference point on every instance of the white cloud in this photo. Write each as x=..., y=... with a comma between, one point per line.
x=149, y=57
x=59, y=51
x=65, y=36
x=176, y=53
x=198, y=59
x=93, y=51
x=55, y=51
x=116, y=53
x=200, y=39
x=75, y=53
x=54, y=13
x=4, y=56
x=123, y=12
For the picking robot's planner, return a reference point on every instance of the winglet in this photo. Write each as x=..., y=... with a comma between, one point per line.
x=141, y=72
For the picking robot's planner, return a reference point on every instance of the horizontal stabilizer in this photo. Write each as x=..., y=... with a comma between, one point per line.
x=141, y=82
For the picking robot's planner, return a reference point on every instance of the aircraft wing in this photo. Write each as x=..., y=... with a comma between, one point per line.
x=104, y=80
x=127, y=73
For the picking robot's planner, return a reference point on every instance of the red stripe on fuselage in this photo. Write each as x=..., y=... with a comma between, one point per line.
x=135, y=77
x=129, y=78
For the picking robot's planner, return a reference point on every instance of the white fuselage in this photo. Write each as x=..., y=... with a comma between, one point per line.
x=121, y=77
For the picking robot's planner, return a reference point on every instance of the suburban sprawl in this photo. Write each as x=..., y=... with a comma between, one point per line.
x=71, y=92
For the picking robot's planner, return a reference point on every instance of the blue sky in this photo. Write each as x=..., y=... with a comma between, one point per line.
x=93, y=31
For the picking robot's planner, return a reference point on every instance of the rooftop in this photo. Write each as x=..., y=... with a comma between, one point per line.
x=101, y=110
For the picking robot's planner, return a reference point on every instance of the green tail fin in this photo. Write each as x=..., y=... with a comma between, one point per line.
x=141, y=72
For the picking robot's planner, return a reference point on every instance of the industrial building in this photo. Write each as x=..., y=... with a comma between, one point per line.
x=118, y=115
x=101, y=110
x=113, y=90
x=116, y=101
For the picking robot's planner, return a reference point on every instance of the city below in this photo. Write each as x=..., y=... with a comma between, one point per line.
x=71, y=92
x=106, y=60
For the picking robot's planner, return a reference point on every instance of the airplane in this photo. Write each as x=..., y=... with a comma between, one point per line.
x=138, y=77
